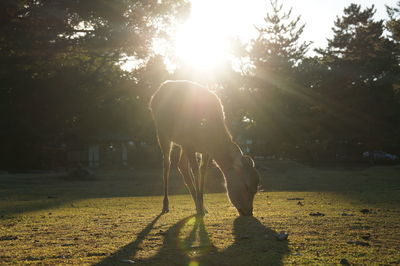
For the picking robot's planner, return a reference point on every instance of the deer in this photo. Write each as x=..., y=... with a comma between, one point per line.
x=192, y=117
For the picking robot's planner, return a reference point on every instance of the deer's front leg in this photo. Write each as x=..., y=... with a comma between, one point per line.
x=165, y=145
x=205, y=159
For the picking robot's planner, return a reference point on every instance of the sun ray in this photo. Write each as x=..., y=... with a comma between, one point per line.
x=203, y=41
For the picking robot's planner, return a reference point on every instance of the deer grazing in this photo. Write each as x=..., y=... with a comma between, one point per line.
x=192, y=117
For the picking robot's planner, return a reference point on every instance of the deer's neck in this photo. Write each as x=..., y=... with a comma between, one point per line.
x=226, y=155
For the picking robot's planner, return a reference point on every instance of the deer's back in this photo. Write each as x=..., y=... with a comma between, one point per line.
x=188, y=114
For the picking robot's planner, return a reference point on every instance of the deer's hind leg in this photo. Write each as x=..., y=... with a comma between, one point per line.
x=184, y=169
x=165, y=145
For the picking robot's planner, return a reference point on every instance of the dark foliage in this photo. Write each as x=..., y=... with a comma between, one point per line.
x=62, y=85
x=60, y=73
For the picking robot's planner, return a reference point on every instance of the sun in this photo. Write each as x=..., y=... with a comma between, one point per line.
x=200, y=46
x=204, y=40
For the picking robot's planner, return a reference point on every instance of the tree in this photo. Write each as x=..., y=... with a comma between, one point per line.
x=393, y=26
x=272, y=80
x=357, y=85
x=59, y=66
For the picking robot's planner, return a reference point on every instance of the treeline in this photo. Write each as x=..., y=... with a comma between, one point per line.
x=62, y=83
x=335, y=105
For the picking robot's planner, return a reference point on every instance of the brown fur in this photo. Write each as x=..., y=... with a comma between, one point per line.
x=192, y=116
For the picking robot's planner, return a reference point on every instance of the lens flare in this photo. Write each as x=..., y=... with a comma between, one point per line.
x=194, y=263
x=204, y=40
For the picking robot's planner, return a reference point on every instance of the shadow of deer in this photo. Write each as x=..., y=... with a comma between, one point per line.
x=188, y=243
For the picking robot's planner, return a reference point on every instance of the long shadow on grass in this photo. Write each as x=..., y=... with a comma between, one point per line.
x=129, y=251
x=188, y=243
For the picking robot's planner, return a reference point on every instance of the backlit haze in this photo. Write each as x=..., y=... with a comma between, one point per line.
x=204, y=39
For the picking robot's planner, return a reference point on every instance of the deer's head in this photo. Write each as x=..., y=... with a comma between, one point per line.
x=242, y=184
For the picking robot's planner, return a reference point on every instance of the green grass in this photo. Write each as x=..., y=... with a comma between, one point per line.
x=114, y=219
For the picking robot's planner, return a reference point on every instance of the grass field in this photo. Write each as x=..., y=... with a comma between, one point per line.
x=333, y=215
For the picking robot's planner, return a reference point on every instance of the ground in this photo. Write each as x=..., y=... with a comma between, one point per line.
x=333, y=215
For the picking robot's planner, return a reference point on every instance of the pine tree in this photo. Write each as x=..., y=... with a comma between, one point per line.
x=358, y=40
x=393, y=26
x=357, y=83
x=277, y=47
x=274, y=56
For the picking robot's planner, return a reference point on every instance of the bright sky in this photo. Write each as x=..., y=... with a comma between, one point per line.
x=319, y=24
x=203, y=40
